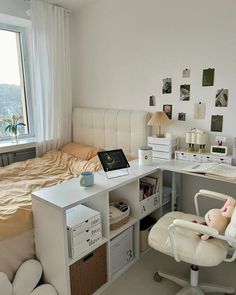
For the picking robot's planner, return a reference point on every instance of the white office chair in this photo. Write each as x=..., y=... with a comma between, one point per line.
x=176, y=235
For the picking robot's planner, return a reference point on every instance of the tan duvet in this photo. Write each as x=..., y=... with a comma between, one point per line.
x=19, y=180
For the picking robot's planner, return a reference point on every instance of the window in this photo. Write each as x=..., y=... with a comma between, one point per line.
x=14, y=79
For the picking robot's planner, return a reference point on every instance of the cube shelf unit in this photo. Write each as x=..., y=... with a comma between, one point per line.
x=49, y=211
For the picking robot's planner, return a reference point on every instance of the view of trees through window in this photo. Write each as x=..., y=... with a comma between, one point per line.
x=12, y=88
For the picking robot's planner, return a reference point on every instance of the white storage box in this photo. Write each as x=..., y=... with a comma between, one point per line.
x=81, y=218
x=121, y=250
x=149, y=204
x=78, y=249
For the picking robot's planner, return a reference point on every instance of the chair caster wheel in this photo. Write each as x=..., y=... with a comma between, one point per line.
x=157, y=277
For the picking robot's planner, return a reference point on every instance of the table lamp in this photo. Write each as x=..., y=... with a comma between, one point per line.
x=159, y=119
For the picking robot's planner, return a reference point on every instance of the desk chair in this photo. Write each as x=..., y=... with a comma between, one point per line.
x=176, y=235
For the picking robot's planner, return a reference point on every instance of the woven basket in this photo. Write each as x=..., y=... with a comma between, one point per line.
x=123, y=219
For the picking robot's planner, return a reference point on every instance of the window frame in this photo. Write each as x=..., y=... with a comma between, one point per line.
x=25, y=63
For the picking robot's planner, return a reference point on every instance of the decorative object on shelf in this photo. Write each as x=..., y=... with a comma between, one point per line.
x=208, y=77
x=158, y=119
x=221, y=98
x=145, y=155
x=13, y=123
x=118, y=214
x=196, y=136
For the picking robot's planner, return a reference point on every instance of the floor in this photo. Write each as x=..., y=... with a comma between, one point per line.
x=138, y=280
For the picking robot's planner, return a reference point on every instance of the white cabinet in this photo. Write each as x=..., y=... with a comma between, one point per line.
x=51, y=206
x=202, y=158
x=163, y=148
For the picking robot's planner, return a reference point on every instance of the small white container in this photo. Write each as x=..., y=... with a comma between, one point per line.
x=145, y=155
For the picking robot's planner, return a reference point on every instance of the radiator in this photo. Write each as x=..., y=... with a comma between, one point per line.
x=21, y=155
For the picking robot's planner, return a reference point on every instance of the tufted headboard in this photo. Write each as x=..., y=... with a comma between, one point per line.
x=111, y=129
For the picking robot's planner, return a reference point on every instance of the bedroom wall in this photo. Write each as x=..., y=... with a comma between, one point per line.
x=16, y=8
x=122, y=49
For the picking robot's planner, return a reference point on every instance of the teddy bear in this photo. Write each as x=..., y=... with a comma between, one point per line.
x=215, y=218
x=228, y=207
x=25, y=281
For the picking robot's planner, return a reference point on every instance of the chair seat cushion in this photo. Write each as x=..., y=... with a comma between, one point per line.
x=190, y=247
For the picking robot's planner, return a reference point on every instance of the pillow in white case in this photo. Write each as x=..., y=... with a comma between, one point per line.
x=5, y=285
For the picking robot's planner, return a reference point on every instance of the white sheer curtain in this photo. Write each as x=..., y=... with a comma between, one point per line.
x=51, y=75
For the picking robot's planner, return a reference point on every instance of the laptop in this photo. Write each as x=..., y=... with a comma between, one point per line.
x=114, y=163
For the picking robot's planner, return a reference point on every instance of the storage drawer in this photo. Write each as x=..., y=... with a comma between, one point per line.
x=162, y=155
x=221, y=160
x=78, y=249
x=121, y=250
x=195, y=158
x=149, y=204
x=181, y=156
x=207, y=159
x=163, y=148
x=89, y=273
x=81, y=218
x=87, y=234
x=162, y=141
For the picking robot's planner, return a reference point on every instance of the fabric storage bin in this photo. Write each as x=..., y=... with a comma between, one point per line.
x=145, y=226
x=89, y=273
x=121, y=250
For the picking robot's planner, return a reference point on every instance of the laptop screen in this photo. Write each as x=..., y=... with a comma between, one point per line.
x=113, y=160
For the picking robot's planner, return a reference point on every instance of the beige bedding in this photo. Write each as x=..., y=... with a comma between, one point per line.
x=19, y=180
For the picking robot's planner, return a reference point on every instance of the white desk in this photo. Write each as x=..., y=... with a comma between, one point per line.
x=177, y=167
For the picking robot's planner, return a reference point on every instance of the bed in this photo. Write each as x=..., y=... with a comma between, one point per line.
x=98, y=128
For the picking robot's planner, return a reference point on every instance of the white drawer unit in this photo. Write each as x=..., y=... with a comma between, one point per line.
x=163, y=148
x=202, y=158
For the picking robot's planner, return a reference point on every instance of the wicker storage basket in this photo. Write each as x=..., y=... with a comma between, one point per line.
x=119, y=214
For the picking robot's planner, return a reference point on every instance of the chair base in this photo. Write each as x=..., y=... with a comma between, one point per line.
x=193, y=287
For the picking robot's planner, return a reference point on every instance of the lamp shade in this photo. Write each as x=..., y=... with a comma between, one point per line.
x=159, y=119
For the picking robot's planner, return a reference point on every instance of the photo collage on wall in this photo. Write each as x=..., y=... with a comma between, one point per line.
x=199, y=109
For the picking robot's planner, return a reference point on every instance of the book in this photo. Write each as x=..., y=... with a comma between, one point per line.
x=221, y=171
x=148, y=186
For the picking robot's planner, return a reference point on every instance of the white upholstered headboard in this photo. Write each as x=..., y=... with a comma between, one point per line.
x=111, y=129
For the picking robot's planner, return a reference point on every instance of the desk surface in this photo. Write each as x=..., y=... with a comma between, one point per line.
x=179, y=165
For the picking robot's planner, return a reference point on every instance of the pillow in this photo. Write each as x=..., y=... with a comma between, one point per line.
x=82, y=151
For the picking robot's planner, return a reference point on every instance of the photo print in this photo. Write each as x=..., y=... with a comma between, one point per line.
x=167, y=86
x=186, y=73
x=152, y=101
x=184, y=92
x=199, y=110
x=182, y=116
x=222, y=98
x=167, y=108
x=216, y=123
x=208, y=77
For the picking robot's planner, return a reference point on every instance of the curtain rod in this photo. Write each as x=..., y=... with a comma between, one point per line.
x=54, y=4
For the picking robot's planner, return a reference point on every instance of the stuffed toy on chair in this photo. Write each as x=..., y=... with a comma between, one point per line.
x=228, y=208
x=25, y=281
x=214, y=218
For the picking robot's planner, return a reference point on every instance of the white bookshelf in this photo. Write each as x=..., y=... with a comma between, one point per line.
x=49, y=211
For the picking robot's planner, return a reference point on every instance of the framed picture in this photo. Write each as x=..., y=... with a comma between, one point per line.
x=216, y=123
x=222, y=98
x=167, y=108
x=167, y=85
x=184, y=92
x=208, y=77
x=181, y=116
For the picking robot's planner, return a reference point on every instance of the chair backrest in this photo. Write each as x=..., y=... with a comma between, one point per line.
x=231, y=229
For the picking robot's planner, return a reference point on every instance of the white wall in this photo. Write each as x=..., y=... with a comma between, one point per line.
x=122, y=49
x=14, y=8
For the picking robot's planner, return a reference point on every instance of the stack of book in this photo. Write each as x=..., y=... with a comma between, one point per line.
x=148, y=187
